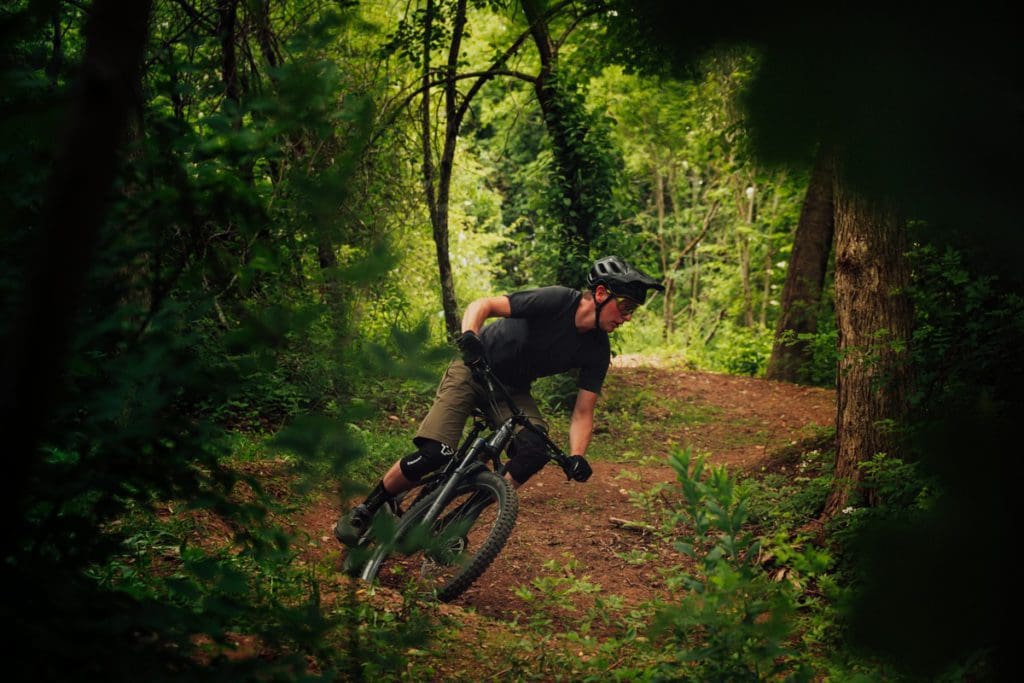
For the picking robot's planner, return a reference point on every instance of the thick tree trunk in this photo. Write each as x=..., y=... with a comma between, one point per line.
x=874, y=320
x=805, y=277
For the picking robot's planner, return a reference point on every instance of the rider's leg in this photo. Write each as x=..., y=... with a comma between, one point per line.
x=402, y=476
x=396, y=482
x=528, y=453
x=440, y=429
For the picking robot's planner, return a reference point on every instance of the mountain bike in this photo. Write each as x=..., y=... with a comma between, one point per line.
x=460, y=516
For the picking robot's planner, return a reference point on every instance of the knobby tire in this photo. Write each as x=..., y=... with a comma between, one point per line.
x=467, y=535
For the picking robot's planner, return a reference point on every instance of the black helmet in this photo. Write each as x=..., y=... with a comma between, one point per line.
x=621, y=278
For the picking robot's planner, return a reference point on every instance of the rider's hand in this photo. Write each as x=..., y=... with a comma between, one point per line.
x=471, y=346
x=576, y=467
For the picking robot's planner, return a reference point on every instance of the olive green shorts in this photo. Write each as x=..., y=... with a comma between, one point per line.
x=457, y=395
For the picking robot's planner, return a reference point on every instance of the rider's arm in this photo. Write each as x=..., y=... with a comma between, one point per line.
x=582, y=424
x=482, y=309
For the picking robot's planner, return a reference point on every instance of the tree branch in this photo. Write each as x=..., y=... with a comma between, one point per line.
x=196, y=15
x=696, y=240
x=483, y=76
x=576, y=22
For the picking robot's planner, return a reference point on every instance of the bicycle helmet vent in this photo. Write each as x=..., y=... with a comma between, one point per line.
x=622, y=279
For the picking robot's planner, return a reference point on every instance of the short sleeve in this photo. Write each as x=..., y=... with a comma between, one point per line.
x=538, y=303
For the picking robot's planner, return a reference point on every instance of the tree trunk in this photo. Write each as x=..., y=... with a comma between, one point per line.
x=695, y=286
x=227, y=18
x=36, y=352
x=805, y=277
x=556, y=108
x=766, y=289
x=437, y=189
x=444, y=182
x=265, y=36
x=873, y=315
x=666, y=245
x=56, y=63
x=743, y=242
x=744, y=245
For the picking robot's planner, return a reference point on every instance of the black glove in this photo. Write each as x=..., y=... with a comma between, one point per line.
x=576, y=467
x=471, y=346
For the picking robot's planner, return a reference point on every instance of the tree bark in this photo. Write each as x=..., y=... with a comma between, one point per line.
x=744, y=248
x=743, y=243
x=56, y=63
x=805, y=277
x=265, y=35
x=766, y=289
x=669, y=280
x=571, y=167
x=437, y=188
x=874, y=320
x=451, y=137
x=227, y=18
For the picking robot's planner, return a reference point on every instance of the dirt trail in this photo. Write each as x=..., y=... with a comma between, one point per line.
x=735, y=420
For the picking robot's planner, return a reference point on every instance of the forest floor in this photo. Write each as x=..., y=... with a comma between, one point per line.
x=570, y=550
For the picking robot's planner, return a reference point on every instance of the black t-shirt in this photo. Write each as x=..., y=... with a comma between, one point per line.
x=540, y=339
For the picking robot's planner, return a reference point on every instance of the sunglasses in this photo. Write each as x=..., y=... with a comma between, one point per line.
x=626, y=305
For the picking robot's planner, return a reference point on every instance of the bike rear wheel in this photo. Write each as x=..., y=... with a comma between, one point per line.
x=443, y=560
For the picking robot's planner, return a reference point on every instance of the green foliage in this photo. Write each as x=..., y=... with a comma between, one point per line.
x=584, y=172
x=219, y=296
x=820, y=370
x=793, y=495
x=734, y=623
x=967, y=330
x=556, y=393
x=266, y=268
x=742, y=350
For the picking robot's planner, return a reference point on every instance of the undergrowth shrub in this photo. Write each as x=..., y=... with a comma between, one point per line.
x=741, y=350
x=733, y=623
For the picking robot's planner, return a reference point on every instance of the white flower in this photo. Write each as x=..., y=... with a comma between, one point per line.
x=847, y=510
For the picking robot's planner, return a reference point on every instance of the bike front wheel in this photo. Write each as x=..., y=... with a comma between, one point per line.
x=443, y=559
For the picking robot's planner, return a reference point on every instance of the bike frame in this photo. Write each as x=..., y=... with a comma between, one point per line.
x=475, y=449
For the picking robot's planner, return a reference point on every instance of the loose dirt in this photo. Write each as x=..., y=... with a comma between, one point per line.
x=572, y=527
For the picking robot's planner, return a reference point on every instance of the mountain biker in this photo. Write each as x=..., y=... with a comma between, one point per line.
x=540, y=332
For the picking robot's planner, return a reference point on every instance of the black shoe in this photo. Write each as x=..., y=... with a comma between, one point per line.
x=350, y=528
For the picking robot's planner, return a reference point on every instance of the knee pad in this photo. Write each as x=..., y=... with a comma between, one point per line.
x=528, y=453
x=430, y=456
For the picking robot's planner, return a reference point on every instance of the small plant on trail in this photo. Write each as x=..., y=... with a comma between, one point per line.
x=586, y=645
x=550, y=595
x=734, y=623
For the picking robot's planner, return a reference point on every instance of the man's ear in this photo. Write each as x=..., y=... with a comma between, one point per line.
x=600, y=293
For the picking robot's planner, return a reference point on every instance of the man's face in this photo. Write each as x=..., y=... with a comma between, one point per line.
x=617, y=311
